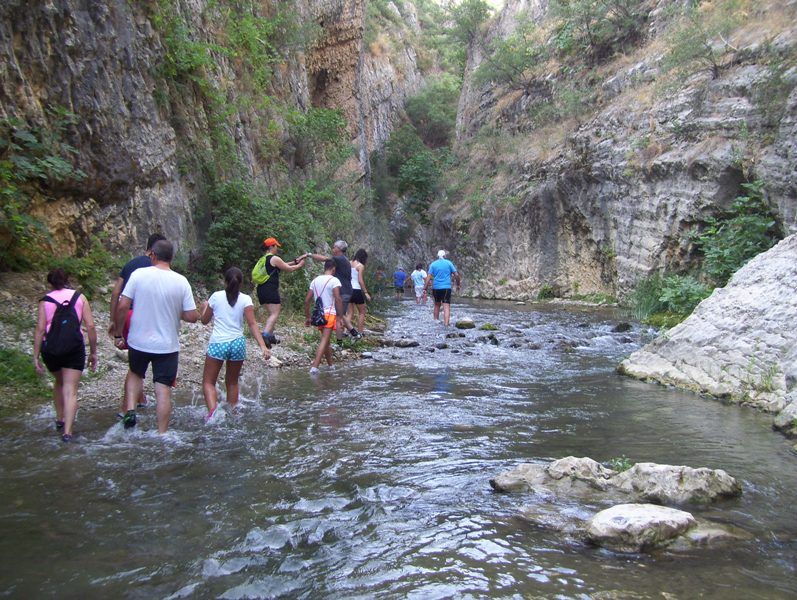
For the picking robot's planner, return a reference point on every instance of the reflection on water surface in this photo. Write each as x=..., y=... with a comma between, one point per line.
x=371, y=480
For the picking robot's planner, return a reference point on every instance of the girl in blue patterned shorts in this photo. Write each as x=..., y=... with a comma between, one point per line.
x=228, y=308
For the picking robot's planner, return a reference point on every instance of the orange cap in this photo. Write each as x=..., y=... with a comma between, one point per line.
x=271, y=242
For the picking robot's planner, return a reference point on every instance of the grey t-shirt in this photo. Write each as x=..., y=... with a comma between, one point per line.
x=343, y=273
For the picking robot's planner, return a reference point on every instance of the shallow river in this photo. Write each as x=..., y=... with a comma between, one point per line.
x=371, y=480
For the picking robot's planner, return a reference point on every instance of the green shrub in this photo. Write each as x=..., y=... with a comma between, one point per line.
x=33, y=159
x=666, y=301
x=19, y=379
x=512, y=60
x=701, y=37
x=680, y=294
x=546, y=292
x=598, y=28
x=433, y=111
x=419, y=175
x=620, y=463
x=319, y=134
x=644, y=299
x=747, y=229
x=91, y=269
x=403, y=143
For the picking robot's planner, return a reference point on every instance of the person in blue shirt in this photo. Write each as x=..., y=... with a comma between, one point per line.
x=441, y=274
x=399, y=277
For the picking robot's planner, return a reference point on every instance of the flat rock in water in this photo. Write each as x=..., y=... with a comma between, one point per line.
x=676, y=484
x=465, y=324
x=646, y=482
x=638, y=527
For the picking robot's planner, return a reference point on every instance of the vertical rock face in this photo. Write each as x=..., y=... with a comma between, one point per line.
x=94, y=59
x=370, y=84
x=102, y=60
x=596, y=202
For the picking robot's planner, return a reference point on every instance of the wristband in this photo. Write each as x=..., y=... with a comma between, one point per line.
x=117, y=337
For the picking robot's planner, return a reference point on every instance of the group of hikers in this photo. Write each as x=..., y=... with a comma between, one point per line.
x=149, y=300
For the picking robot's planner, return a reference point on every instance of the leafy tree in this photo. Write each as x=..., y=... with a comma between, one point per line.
x=597, y=27
x=433, y=111
x=469, y=16
x=703, y=36
x=746, y=230
x=512, y=60
x=419, y=175
x=403, y=143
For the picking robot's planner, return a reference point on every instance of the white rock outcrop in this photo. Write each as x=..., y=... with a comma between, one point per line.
x=585, y=478
x=740, y=343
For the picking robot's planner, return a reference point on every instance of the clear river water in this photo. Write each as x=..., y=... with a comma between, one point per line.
x=371, y=480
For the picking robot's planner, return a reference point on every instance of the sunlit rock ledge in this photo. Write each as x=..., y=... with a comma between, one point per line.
x=740, y=343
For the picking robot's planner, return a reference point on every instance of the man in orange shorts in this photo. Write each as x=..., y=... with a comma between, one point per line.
x=327, y=288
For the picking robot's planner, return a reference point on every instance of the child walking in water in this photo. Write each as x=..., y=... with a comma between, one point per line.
x=228, y=308
x=326, y=287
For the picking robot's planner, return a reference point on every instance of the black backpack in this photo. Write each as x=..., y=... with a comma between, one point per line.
x=318, y=318
x=64, y=337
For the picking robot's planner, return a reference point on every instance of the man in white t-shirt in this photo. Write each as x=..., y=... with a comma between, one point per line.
x=162, y=299
x=326, y=287
x=418, y=277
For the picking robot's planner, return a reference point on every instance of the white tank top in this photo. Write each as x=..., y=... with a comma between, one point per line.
x=355, y=278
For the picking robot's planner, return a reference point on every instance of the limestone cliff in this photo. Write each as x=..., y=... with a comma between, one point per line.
x=157, y=97
x=740, y=343
x=594, y=201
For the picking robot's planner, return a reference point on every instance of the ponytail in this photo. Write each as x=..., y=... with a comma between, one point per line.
x=233, y=278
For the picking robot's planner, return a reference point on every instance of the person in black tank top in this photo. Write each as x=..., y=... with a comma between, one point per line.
x=268, y=292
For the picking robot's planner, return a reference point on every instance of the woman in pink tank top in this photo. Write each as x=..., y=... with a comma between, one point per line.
x=66, y=368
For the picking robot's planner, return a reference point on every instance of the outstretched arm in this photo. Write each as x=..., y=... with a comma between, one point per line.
x=289, y=267
x=249, y=315
x=206, y=313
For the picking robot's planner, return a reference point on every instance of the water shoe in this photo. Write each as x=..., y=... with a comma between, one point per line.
x=129, y=420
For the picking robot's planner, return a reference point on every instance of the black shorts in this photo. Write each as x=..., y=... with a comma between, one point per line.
x=164, y=366
x=74, y=360
x=268, y=294
x=442, y=296
x=357, y=297
x=399, y=290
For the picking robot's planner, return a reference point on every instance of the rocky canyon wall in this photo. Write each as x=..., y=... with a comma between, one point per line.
x=595, y=201
x=138, y=135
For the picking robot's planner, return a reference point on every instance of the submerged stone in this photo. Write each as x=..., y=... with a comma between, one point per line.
x=465, y=324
